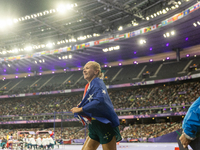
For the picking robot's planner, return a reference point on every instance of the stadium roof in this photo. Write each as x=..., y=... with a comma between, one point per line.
x=103, y=17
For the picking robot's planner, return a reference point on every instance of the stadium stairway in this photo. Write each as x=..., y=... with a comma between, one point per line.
x=5, y=85
x=47, y=82
x=116, y=74
x=186, y=67
x=140, y=73
x=67, y=79
x=155, y=75
x=35, y=82
x=78, y=80
x=15, y=85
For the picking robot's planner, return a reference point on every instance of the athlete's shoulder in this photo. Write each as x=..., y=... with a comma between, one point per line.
x=97, y=82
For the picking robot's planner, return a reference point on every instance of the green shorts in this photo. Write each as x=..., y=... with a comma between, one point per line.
x=103, y=133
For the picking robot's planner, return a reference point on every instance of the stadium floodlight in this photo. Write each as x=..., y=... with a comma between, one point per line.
x=173, y=7
x=49, y=45
x=15, y=50
x=70, y=56
x=4, y=52
x=147, y=18
x=164, y=35
x=176, y=6
x=164, y=11
x=179, y=2
x=8, y=65
x=42, y=45
x=142, y=41
x=29, y=48
x=2, y=24
x=194, y=24
x=167, y=34
x=155, y=14
x=40, y=61
x=111, y=48
x=43, y=60
x=158, y=13
x=15, y=20
x=172, y=32
x=59, y=57
x=152, y=16
x=120, y=28
x=61, y=8
x=68, y=6
x=36, y=62
x=105, y=50
x=195, y=55
x=63, y=57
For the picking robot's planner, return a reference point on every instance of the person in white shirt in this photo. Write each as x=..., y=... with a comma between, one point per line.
x=28, y=141
x=47, y=141
x=25, y=141
x=44, y=142
x=33, y=142
x=39, y=142
x=51, y=142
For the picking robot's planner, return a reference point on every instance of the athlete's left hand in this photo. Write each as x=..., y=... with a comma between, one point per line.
x=184, y=141
x=76, y=110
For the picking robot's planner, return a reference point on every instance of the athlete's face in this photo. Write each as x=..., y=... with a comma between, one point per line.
x=89, y=73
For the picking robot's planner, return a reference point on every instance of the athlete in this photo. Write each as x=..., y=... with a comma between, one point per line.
x=191, y=127
x=97, y=109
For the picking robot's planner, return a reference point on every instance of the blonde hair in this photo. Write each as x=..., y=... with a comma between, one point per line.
x=97, y=67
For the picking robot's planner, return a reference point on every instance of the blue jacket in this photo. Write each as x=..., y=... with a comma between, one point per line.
x=97, y=104
x=191, y=122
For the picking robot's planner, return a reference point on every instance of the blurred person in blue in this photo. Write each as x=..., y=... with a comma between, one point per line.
x=191, y=127
x=96, y=109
